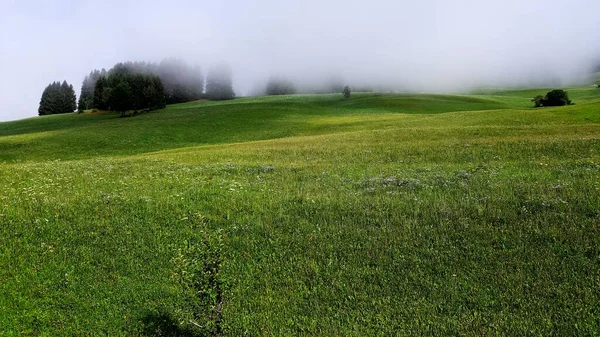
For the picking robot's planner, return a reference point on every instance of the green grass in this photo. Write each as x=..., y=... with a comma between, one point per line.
x=379, y=215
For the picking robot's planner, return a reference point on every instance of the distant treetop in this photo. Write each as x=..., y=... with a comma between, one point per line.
x=219, y=84
x=280, y=86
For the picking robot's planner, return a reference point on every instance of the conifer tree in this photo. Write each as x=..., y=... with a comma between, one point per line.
x=57, y=98
x=98, y=101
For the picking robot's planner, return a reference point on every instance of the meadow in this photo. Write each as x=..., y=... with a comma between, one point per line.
x=381, y=215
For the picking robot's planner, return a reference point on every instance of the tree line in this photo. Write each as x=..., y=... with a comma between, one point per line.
x=137, y=86
x=146, y=86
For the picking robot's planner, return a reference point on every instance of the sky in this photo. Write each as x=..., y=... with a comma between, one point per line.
x=418, y=46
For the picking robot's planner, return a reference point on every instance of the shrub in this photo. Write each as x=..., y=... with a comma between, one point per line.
x=552, y=98
x=538, y=101
x=557, y=98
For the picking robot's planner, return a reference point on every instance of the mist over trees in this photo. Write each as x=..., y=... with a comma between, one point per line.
x=280, y=86
x=219, y=84
x=334, y=85
x=182, y=83
x=179, y=83
x=86, y=97
x=57, y=98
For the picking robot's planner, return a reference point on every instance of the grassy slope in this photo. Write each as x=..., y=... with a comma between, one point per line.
x=377, y=215
x=83, y=136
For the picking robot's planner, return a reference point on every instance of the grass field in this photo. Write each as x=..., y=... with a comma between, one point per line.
x=305, y=215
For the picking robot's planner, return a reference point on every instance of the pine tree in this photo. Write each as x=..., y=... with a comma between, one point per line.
x=72, y=98
x=98, y=101
x=44, y=102
x=81, y=105
x=122, y=97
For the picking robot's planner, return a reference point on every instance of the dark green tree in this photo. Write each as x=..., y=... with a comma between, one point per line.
x=122, y=98
x=46, y=102
x=68, y=98
x=81, y=105
x=98, y=101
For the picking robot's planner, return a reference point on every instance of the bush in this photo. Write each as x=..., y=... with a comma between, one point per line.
x=557, y=98
x=553, y=98
x=538, y=101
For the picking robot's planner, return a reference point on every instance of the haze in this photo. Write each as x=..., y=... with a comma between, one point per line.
x=431, y=46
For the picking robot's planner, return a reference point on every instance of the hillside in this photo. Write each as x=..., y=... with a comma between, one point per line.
x=380, y=215
x=88, y=135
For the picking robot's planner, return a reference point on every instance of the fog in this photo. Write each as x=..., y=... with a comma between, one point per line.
x=419, y=46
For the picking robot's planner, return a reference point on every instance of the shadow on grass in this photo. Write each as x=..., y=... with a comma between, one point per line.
x=163, y=325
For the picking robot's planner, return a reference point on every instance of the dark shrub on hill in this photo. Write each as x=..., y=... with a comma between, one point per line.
x=57, y=98
x=557, y=98
x=553, y=98
x=538, y=101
